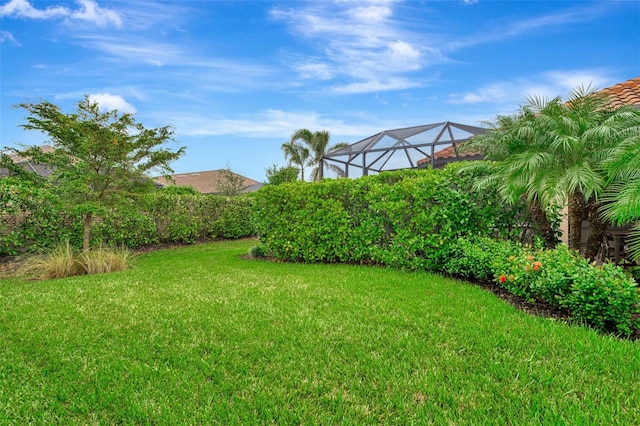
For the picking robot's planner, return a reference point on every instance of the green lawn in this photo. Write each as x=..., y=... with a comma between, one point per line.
x=198, y=335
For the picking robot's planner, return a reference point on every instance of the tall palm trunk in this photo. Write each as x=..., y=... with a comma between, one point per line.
x=541, y=222
x=597, y=230
x=576, y=213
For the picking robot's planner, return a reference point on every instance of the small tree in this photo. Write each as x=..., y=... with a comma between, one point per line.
x=99, y=158
x=277, y=175
x=228, y=183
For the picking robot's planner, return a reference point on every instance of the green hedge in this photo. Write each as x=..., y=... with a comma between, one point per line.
x=150, y=218
x=403, y=219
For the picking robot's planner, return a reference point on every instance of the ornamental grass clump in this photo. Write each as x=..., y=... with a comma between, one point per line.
x=60, y=262
x=102, y=260
x=64, y=261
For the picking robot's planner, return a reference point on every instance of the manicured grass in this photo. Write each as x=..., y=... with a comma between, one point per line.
x=198, y=335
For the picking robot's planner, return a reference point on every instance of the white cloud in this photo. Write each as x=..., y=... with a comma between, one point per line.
x=109, y=102
x=89, y=11
x=23, y=9
x=376, y=86
x=268, y=123
x=359, y=40
x=8, y=37
x=547, y=85
x=318, y=71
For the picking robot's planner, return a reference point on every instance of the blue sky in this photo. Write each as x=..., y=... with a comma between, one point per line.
x=237, y=78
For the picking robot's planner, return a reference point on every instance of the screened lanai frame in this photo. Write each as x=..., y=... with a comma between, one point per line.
x=408, y=147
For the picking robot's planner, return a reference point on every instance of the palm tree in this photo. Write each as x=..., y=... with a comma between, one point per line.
x=318, y=145
x=296, y=154
x=505, y=145
x=561, y=157
x=622, y=198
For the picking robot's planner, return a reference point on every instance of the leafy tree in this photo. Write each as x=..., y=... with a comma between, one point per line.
x=228, y=183
x=99, y=158
x=277, y=175
x=317, y=145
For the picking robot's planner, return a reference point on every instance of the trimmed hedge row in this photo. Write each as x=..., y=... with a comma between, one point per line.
x=156, y=217
x=404, y=219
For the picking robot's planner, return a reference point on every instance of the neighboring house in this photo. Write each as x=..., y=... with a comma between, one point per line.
x=207, y=182
x=28, y=165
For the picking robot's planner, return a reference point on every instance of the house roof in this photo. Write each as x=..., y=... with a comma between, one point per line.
x=28, y=165
x=625, y=93
x=449, y=153
x=205, y=181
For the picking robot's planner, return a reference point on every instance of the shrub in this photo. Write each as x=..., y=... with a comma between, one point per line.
x=404, y=219
x=479, y=258
x=604, y=297
x=601, y=296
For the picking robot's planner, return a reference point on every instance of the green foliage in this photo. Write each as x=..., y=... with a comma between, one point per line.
x=602, y=296
x=228, y=183
x=98, y=158
x=278, y=175
x=404, y=219
x=478, y=258
x=605, y=298
x=180, y=190
x=33, y=218
x=151, y=218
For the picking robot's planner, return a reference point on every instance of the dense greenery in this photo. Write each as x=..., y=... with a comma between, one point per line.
x=402, y=219
x=98, y=158
x=600, y=296
x=199, y=336
x=154, y=217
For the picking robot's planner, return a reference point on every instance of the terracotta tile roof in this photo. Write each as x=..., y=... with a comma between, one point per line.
x=625, y=93
x=447, y=153
x=204, y=182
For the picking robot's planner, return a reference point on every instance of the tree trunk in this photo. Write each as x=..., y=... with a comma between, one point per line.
x=597, y=228
x=87, y=220
x=576, y=213
x=541, y=222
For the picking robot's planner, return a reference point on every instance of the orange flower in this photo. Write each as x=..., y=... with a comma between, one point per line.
x=511, y=277
x=502, y=278
x=537, y=266
x=529, y=257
